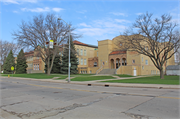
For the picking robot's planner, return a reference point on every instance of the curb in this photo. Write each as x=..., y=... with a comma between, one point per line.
x=92, y=83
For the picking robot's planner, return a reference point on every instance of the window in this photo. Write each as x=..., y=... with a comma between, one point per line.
x=133, y=61
x=97, y=54
x=84, y=52
x=34, y=67
x=142, y=59
x=90, y=71
x=95, y=64
x=77, y=51
x=81, y=61
x=84, y=61
x=146, y=62
x=78, y=60
x=38, y=67
x=120, y=44
x=142, y=67
x=81, y=52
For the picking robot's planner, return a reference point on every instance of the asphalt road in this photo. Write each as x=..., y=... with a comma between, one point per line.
x=27, y=99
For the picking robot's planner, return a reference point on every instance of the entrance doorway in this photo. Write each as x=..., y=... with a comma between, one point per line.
x=135, y=74
x=117, y=63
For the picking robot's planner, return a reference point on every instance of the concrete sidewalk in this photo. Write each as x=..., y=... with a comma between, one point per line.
x=106, y=84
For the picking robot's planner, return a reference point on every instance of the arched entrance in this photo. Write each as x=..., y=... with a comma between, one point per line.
x=124, y=62
x=112, y=63
x=117, y=63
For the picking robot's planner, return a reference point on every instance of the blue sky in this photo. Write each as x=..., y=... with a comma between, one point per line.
x=93, y=19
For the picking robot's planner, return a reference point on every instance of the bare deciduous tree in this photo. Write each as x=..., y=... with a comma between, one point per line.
x=6, y=47
x=42, y=28
x=156, y=38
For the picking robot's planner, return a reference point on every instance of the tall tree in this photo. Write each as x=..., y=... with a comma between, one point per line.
x=73, y=59
x=6, y=47
x=156, y=38
x=56, y=66
x=41, y=29
x=10, y=61
x=21, y=63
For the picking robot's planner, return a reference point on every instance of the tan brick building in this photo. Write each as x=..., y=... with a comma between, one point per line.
x=113, y=56
x=87, y=57
x=35, y=64
x=109, y=54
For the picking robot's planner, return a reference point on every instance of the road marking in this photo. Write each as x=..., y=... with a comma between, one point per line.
x=96, y=91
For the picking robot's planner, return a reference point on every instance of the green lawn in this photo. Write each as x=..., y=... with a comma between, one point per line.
x=77, y=75
x=35, y=75
x=171, y=80
x=124, y=75
x=61, y=77
x=90, y=78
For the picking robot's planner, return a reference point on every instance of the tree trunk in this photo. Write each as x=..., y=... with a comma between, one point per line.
x=48, y=71
x=49, y=67
x=161, y=74
x=165, y=66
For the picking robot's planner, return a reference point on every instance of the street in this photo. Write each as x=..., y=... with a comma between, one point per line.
x=27, y=99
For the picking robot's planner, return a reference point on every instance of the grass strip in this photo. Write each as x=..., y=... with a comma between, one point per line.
x=61, y=77
x=91, y=78
x=34, y=75
x=124, y=75
x=169, y=80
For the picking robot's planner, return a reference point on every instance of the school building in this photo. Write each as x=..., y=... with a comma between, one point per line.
x=108, y=57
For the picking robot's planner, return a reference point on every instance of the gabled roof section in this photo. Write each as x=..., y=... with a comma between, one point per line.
x=80, y=43
x=117, y=52
x=31, y=53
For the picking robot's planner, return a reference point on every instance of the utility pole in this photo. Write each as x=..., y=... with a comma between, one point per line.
x=1, y=57
x=69, y=65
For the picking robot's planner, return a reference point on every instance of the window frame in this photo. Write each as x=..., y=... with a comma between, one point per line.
x=94, y=64
x=81, y=52
x=85, y=52
x=81, y=61
x=133, y=61
x=85, y=62
x=77, y=51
